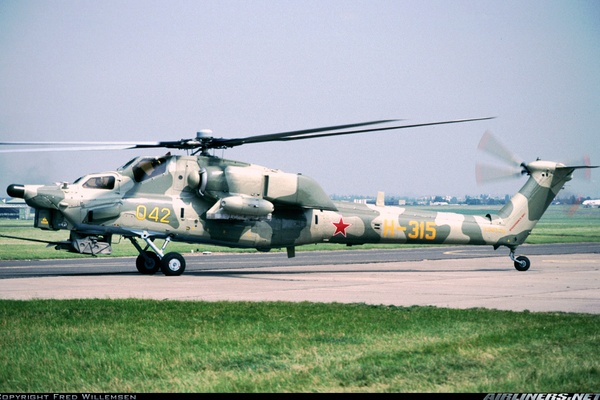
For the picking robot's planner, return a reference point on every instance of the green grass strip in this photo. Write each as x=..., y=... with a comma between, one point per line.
x=168, y=346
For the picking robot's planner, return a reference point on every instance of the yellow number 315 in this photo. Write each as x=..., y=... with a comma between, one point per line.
x=422, y=230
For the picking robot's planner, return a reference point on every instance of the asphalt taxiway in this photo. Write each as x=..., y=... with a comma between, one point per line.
x=561, y=279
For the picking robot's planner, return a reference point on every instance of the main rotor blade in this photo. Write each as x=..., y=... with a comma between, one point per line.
x=491, y=145
x=72, y=148
x=313, y=133
x=206, y=142
x=200, y=142
x=77, y=143
x=270, y=137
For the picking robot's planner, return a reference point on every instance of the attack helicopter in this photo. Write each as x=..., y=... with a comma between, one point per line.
x=204, y=199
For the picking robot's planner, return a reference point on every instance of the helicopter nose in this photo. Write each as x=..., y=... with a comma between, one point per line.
x=16, y=190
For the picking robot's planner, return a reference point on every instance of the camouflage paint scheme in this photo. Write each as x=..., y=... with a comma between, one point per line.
x=205, y=199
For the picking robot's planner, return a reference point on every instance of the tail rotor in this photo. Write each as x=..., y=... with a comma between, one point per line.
x=486, y=173
x=515, y=168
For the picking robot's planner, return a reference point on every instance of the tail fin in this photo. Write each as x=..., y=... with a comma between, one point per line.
x=520, y=215
x=380, y=199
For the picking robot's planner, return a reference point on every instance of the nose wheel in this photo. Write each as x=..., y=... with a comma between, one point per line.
x=149, y=262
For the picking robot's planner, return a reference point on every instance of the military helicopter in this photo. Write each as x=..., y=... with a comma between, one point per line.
x=205, y=199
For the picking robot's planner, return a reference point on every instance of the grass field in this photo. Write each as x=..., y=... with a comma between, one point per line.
x=167, y=346
x=142, y=346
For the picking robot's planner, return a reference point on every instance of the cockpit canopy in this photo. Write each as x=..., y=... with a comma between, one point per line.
x=144, y=168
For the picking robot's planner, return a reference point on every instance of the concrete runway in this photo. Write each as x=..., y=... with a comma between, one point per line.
x=556, y=282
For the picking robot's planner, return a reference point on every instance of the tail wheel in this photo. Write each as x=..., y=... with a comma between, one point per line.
x=522, y=263
x=172, y=264
x=148, y=263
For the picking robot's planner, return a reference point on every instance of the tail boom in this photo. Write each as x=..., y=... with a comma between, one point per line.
x=510, y=227
x=524, y=210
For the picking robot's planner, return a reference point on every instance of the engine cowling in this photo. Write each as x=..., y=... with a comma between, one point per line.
x=241, y=207
x=245, y=205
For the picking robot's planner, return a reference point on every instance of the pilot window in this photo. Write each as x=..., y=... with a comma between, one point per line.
x=148, y=168
x=100, y=182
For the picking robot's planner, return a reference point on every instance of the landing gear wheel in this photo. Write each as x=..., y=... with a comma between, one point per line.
x=172, y=264
x=522, y=263
x=148, y=265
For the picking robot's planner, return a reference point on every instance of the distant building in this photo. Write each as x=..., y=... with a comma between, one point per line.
x=361, y=201
x=15, y=209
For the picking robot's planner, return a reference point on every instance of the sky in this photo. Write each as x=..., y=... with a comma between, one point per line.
x=162, y=70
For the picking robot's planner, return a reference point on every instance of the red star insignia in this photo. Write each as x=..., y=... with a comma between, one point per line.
x=340, y=227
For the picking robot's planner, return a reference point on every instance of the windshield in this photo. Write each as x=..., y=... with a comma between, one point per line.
x=106, y=182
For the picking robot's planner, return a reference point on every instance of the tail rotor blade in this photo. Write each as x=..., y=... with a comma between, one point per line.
x=575, y=206
x=492, y=146
x=486, y=173
x=584, y=167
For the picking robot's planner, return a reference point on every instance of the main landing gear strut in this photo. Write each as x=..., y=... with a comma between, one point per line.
x=149, y=262
x=522, y=263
